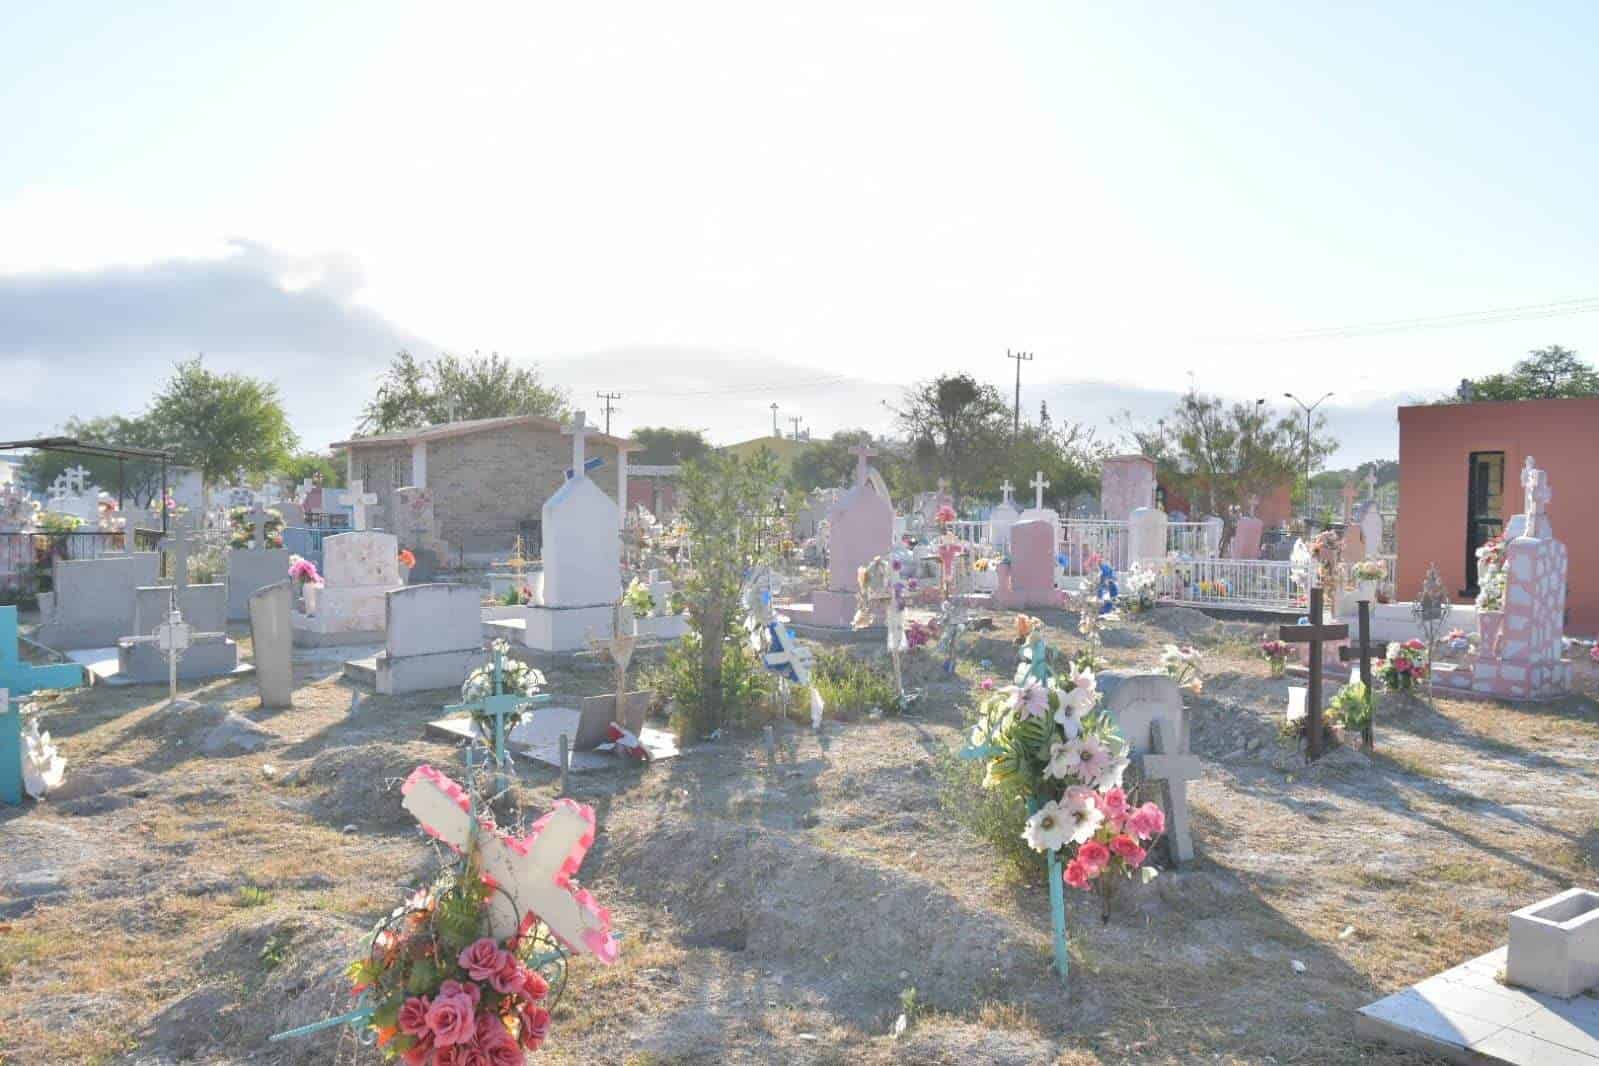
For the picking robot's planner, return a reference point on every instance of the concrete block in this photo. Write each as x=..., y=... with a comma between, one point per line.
x=1554, y=944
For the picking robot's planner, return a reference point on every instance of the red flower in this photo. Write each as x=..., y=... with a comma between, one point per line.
x=1129, y=851
x=1076, y=874
x=534, y=986
x=462, y=988
x=1094, y=856
x=535, y=1025
x=482, y=959
x=414, y=1016
x=451, y=1017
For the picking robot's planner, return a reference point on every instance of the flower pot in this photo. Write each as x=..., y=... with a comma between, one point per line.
x=1489, y=626
x=1366, y=590
x=308, y=593
x=1276, y=666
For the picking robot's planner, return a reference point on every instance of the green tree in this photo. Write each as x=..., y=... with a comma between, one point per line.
x=141, y=479
x=668, y=447
x=720, y=500
x=1219, y=455
x=1065, y=451
x=827, y=464
x=957, y=426
x=324, y=469
x=221, y=425
x=417, y=393
x=1551, y=373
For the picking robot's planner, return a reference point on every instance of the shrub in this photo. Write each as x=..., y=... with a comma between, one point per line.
x=744, y=699
x=849, y=685
x=996, y=815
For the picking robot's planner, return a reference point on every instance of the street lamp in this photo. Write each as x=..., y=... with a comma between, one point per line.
x=1308, y=412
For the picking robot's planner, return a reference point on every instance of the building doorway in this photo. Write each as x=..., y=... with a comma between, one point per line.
x=1485, y=497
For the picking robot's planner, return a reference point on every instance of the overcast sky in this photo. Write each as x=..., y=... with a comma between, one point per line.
x=713, y=207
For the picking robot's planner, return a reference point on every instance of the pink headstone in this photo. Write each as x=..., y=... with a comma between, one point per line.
x=860, y=528
x=1032, y=567
x=1126, y=483
x=1246, y=537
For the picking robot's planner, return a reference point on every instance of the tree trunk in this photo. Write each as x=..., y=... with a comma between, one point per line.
x=712, y=649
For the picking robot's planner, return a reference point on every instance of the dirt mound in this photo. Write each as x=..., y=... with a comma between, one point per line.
x=840, y=921
x=266, y=977
x=360, y=784
x=1184, y=623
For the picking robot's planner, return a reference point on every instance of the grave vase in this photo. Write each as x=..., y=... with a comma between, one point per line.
x=1489, y=625
x=308, y=596
x=1276, y=666
x=1366, y=590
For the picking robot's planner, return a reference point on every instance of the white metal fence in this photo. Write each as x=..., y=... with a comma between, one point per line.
x=1087, y=542
x=1262, y=583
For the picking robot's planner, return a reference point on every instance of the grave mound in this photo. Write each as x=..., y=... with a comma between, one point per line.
x=360, y=784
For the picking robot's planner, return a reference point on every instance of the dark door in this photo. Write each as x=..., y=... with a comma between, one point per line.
x=1485, y=499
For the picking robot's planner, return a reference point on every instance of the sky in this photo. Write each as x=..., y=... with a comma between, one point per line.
x=715, y=207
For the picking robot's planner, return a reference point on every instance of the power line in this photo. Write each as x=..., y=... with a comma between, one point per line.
x=608, y=397
x=1484, y=317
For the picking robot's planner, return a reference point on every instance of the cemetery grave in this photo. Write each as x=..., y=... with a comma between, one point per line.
x=170, y=904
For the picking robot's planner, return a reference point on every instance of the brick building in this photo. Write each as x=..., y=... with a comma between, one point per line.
x=489, y=478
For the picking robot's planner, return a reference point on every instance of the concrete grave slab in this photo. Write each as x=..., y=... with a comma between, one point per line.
x=93, y=602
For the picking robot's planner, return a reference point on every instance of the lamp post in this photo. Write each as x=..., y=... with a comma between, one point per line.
x=1310, y=410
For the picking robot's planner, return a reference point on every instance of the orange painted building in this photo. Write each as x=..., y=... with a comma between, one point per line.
x=1460, y=481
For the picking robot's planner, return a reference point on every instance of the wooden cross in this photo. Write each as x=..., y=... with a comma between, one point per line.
x=497, y=705
x=22, y=678
x=533, y=871
x=516, y=562
x=358, y=500
x=1314, y=633
x=1362, y=652
x=861, y=452
x=620, y=648
x=1176, y=769
x=1039, y=484
x=258, y=519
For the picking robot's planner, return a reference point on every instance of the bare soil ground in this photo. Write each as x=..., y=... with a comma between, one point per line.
x=168, y=906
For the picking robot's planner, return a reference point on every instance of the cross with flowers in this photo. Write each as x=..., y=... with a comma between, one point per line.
x=498, y=704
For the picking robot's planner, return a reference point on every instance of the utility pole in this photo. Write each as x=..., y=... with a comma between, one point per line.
x=796, y=420
x=608, y=397
x=775, y=433
x=1020, y=357
x=1308, y=412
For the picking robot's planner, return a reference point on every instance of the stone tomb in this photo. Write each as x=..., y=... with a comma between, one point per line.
x=433, y=638
x=1126, y=483
x=93, y=602
x=359, y=569
x=1246, y=538
x=211, y=654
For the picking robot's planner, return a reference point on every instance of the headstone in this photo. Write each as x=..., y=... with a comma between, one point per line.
x=1246, y=537
x=1214, y=528
x=172, y=639
x=582, y=576
x=1354, y=546
x=1176, y=770
x=1004, y=516
x=417, y=526
x=1126, y=483
x=1038, y=510
x=1146, y=536
x=293, y=514
x=94, y=600
x=358, y=500
x=860, y=528
x=1028, y=580
x=1137, y=700
x=271, y=640
x=1370, y=522
x=433, y=638
x=359, y=568
x=251, y=568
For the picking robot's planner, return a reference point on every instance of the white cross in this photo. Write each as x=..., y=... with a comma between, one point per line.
x=358, y=500
x=528, y=869
x=1176, y=770
x=1039, y=485
x=861, y=452
x=577, y=431
x=258, y=519
x=1007, y=488
x=172, y=638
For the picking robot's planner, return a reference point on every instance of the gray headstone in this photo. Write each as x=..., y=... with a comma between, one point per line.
x=248, y=570
x=425, y=619
x=93, y=603
x=293, y=514
x=272, y=639
x=1138, y=700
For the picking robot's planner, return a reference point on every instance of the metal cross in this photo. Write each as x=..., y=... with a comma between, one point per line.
x=497, y=705
x=1314, y=634
x=172, y=637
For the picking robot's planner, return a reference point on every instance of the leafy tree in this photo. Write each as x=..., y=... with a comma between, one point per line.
x=141, y=479
x=324, y=469
x=720, y=500
x=222, y=425
x=1551, y=373
x=417, y=393
x=827, y=464
x=668, y=447
x=1219, y=455
x=956, y=425
x=1066, y=452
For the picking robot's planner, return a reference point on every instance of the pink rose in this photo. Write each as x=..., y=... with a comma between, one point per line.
x=534, y=986
x=1076, y=874
x=508, y=978
x=1113, y=803
x=1094, y=856
x=1147, y=821
x=452, y=1019
x=534, y=1024
x=462, y=988
x=987, y=684
x=482, y=959
x=1129, y=851
x=414, y=1016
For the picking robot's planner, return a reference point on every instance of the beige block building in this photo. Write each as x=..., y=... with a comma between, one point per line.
x=489, y=478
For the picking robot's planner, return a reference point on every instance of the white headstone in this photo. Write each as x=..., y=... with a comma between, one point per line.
x=582, y=540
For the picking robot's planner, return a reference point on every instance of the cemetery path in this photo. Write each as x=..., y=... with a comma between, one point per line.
x=168, y=905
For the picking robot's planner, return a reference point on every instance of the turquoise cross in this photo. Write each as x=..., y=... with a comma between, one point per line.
x=20, y=677
x=1035, y=659
x=498, y=705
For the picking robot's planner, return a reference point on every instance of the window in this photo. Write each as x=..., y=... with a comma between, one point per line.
x=394, y=473
x=1485, y=499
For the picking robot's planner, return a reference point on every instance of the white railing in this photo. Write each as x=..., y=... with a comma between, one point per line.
x=1087, y=542
x=1188, y=539
x=1245, y=583
x=973, y=532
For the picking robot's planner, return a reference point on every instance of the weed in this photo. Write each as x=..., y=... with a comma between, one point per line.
x=995, y=816
x=276, y=949
x=252, y=896
x=849, y=685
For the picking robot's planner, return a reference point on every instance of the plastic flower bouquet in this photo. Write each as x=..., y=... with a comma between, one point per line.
x=1405, y=666
x=1491, y=590
x=241, y=530
x=946, y=515
x=1275, y=652
x=1182, y=662
x=303, y=572
x=1050, y=744
x=1369, y=570
x=639, y=598
x=516, y=676
x=1139, y=588
x=920, y=634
